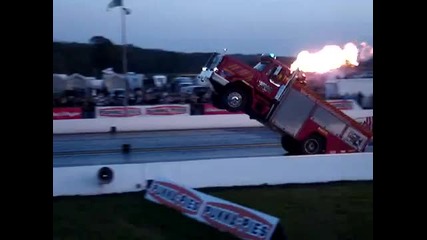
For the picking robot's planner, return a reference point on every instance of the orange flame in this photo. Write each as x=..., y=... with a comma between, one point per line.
x=332, y=57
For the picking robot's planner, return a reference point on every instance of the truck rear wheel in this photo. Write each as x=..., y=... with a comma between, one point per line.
x=235, y=99
x=314, y=144
x=290, y=145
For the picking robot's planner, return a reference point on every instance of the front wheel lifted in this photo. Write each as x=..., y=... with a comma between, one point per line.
x=235, y=99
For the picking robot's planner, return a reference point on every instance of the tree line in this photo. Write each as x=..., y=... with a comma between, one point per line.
x=89, y=59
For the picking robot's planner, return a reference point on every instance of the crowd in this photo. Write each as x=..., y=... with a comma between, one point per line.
x=137, y=97
x=117, y=98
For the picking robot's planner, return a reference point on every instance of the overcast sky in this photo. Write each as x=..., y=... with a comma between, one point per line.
x=284, y=27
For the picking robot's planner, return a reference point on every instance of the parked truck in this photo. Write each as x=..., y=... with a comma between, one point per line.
x=281, y=100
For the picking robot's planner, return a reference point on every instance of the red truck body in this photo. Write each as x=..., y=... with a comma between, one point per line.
x=269, y=93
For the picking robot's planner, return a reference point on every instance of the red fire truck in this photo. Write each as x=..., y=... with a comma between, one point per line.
x=270, y=93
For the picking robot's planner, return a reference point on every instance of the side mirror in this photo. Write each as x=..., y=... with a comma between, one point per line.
x=105, y=175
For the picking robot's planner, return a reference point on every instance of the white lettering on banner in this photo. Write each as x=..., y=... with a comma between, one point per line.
x=118, y=111
x=175, y=197
x=142, y=111
x=167, y=110
x=236, y=220
x=226, y=216
x=62, y=113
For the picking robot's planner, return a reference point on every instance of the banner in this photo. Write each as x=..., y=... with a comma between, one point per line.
x=242, y=222
x=67, y=113
x=167, y=110
x=209, y=109
x=142, y=111
x=119, y=112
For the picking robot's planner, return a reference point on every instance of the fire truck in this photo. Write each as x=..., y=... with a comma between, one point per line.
x=281, y=100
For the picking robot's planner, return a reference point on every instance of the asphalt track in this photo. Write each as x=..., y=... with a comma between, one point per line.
x=161, y=146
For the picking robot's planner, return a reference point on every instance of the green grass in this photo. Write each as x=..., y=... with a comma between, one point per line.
x=307, y=212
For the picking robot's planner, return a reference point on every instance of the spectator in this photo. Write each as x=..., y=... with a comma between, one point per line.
x=139, y=100
x=88, y=108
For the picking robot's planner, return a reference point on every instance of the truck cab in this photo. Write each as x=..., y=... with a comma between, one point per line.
x=238, y=87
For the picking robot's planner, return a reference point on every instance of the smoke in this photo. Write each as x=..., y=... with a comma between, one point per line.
x=335, y=74
x=320, y=78
x=366, y=52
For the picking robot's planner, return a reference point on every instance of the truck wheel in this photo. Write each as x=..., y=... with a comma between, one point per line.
x=235, y=99
x=313, y=145
x=290, y=145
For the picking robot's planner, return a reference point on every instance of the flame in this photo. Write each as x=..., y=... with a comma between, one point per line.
x=332, y=57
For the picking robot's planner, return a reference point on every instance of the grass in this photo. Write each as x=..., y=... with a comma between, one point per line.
x=331, y=211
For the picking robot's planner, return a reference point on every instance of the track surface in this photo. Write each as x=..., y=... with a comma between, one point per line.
x=159, y=146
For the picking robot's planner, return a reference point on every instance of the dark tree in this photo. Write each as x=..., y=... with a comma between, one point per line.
x=103, y=55
x=100, y=53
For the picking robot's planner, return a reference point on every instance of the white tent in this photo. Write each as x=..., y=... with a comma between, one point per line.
x=117, y=81
x=114, y=81
x=59, y=83
x=96, y=83
x=342, y=87
x=77, y=81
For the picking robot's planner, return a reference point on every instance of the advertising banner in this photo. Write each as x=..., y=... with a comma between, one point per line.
x=167, y=110
x=118, y=112
x=242, y=222
x=142, y=111
x=67, y=113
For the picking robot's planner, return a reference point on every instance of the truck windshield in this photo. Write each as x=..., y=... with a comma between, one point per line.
x=217, y=59
x=213, y=61
x=261, y=66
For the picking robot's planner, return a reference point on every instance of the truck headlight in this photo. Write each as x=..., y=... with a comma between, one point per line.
x=204, y=68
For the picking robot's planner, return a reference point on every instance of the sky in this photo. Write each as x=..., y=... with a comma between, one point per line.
x=283, y=27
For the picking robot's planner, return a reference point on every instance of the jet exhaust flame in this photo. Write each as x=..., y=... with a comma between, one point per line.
x=332, y=57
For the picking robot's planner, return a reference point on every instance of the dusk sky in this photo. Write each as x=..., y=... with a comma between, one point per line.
x=284, y=27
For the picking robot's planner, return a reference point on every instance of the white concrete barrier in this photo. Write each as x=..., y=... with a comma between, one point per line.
x=152, y=123
x=217, y=173
x=98, y=125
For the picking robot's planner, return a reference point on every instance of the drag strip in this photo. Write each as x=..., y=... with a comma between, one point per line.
x=158, y=146
x=162, y=146
x=162, y=139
